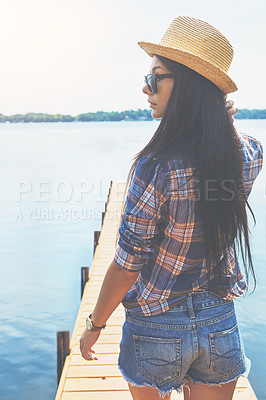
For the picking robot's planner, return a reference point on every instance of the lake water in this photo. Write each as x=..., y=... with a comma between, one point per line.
x=54, y=180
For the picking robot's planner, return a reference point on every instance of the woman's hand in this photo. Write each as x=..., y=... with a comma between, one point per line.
x=116, y=284
x=87, y=340
x=229, y=105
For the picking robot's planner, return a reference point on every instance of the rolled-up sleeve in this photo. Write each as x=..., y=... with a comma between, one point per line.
x=145, y=208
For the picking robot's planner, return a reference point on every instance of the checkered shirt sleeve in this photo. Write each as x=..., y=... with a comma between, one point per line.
x=252, y=160
x=139, y=226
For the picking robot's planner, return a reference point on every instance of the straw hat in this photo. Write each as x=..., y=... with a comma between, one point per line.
x=199, y=46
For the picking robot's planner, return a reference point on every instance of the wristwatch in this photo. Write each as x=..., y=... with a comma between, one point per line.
x=91, y=326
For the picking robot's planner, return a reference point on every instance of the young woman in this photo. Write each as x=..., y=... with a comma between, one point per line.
x=175, y=268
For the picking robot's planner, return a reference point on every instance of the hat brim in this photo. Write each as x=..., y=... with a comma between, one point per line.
x=198, y=64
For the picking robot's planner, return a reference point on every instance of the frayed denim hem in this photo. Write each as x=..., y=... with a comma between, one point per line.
x=162, y=392
x=245, y=374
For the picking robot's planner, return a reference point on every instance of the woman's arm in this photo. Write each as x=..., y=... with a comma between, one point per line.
x=146, y=197
x=116, y=284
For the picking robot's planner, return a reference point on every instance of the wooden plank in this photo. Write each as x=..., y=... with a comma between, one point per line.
x=63, y=379
x=93, y=290
x=244, y=390
x=104, y=359
x=93, y=371
x=92, y=284
x=100, y=348
x=92, y=384
x=97, y=395
x=94, y=278
x=102, y=339
x=243, y=394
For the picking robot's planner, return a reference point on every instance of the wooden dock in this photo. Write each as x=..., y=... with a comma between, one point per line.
x=101, y=379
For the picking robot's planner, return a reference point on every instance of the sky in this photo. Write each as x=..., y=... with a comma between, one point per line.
x=78, y=56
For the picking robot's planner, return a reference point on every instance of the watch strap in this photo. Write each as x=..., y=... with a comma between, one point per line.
x=95, y=327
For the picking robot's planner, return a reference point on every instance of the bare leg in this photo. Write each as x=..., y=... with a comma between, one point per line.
x=146, y=393
x=198, y=391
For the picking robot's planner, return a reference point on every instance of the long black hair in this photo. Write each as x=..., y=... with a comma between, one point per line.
x=196, y=122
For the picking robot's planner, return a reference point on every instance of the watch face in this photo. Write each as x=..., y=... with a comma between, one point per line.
x=89, y=324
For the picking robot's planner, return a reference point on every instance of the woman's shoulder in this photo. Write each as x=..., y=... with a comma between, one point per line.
x=149, y=166
x=150, y=172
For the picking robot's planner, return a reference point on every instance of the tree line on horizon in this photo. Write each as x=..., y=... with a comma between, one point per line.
x=128, y=115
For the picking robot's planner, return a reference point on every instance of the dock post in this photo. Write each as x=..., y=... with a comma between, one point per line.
x=105, y=206
x=84, y=278
x=96, y=239
x=103, y=214
x=62, y=351
x=109, y=191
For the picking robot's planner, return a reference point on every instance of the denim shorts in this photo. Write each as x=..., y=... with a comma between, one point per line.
x=198, y=340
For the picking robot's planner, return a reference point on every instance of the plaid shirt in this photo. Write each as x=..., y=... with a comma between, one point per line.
x=161, y=235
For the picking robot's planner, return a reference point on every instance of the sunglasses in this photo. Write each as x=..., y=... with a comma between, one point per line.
x=151, y=80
